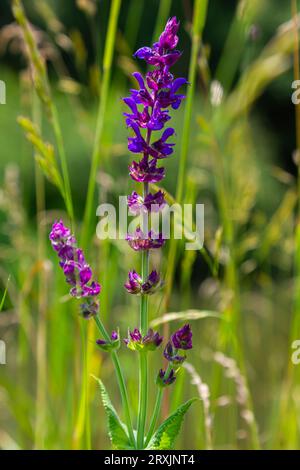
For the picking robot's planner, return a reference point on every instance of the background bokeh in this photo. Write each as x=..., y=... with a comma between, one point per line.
x=241, y=165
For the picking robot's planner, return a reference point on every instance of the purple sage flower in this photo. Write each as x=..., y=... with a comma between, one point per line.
x=135, y=284
x=111, y=345
x=139, y=241
x=76, y=270
x=137, y=342
x=148, y=112
x=151, y=203
x=146, y=171
x=182, y=338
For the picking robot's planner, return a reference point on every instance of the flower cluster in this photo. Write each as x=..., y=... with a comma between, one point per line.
x=135, y=284
x=180, y=340
x=76, y=270
x=112, y=344
x=137, y=342
x=148, y=112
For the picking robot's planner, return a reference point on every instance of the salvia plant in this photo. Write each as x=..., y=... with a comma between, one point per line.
x=148, y=114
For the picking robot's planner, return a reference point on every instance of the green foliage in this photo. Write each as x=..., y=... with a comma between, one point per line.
x=165, y=436
x=116, y=429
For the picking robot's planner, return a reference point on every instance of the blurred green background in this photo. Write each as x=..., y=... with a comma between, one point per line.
x=240, y=165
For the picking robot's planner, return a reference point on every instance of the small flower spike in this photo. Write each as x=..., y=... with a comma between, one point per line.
x=111, y=345
x=136, y=342
x=76, y=270
x=165, y=378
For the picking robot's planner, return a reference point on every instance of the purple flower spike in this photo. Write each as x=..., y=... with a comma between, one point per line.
x=164, y=379
x=168, y=38
x=139, y=241
x=76, y=270
x=182, y=338
x=136, y=342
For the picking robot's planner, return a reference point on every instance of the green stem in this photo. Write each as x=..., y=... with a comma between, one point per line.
x=120, y=379
x=155, y=415
x=107, y=63
x=143, y=359
x=157, y=407
x=143, y=398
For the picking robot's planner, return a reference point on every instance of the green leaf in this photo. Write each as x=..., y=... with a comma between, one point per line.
x=117, y=430
x=164, y=437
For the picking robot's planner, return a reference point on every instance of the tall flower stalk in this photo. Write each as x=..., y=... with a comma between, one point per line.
x=148, y=113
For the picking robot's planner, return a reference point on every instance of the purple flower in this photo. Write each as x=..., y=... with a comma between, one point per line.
x=169, y=97
x=152, y=284
x=139, y=241
x=162, y=148
x=171, y=355
x=182, y=338
x=151, y=203
x=111, y=345
x=136, y=342
x=135, y=284
x=155, y=121
x=153, y=56
x=168, y=38
x=146, y=171
x=76, y=270
x=165, y=378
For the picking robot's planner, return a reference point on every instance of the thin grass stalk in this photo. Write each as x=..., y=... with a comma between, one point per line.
x=229, y=330
x=199, y=17
x=133, y=22
x=285, y=406
x=42, y=87
x=82, y=431
x=107, y=66
x=41, y=344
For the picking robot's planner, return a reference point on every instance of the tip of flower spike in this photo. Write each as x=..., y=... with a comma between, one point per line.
x=182, y=338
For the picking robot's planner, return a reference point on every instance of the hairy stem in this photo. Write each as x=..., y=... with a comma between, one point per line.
x=143, y=359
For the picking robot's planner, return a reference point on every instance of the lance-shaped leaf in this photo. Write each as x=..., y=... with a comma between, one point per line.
x=164, y=437
x=117, y=430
